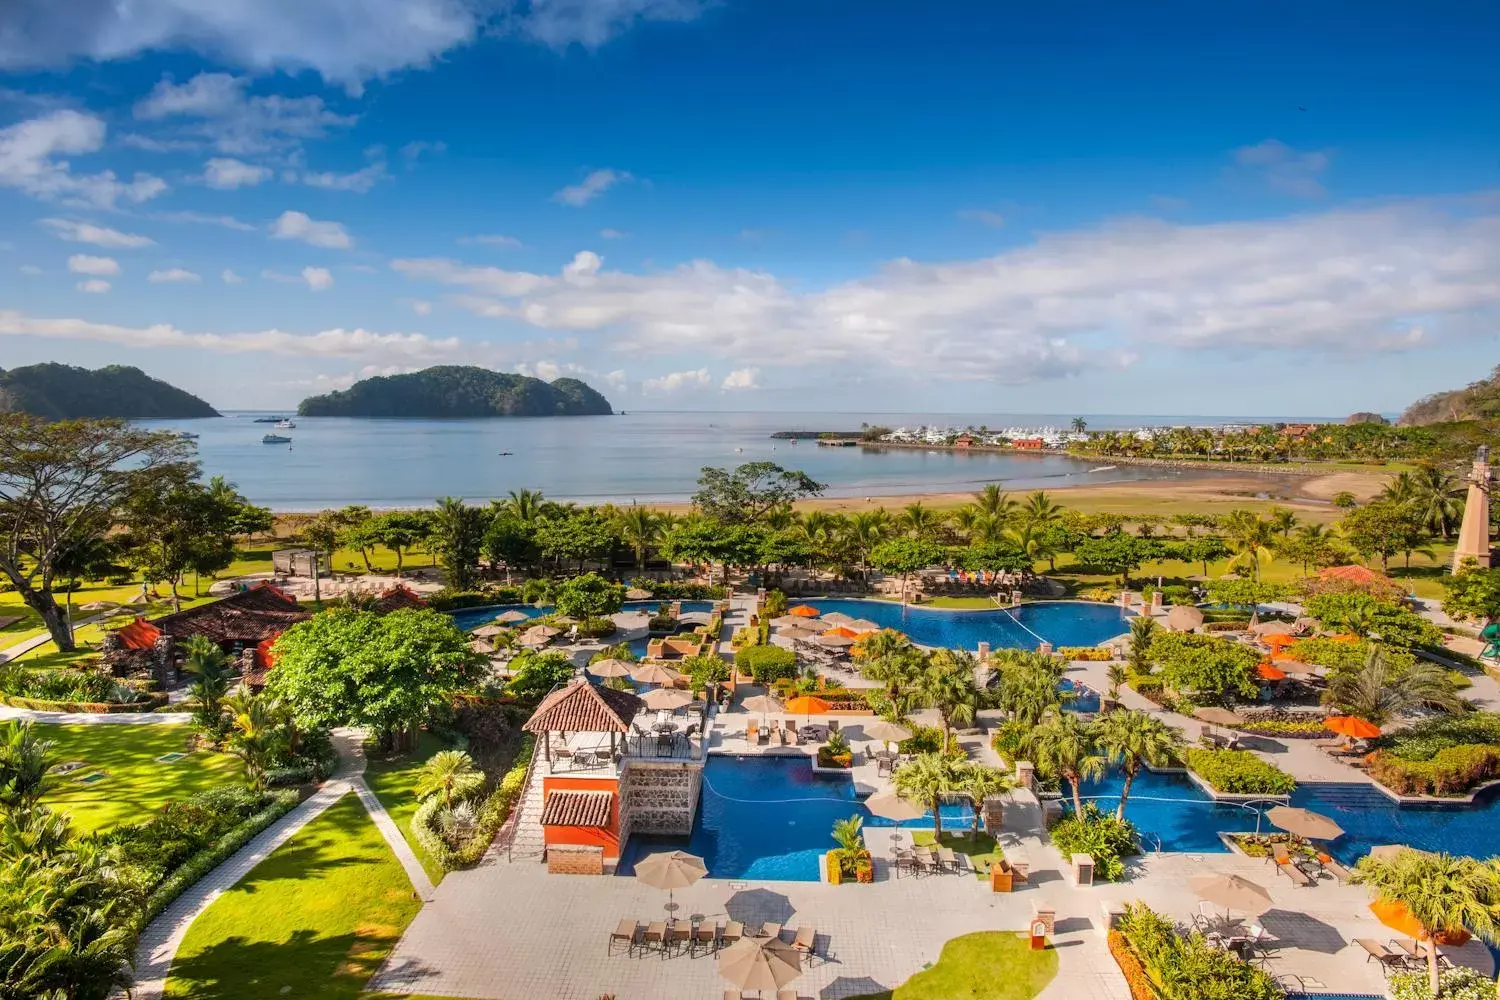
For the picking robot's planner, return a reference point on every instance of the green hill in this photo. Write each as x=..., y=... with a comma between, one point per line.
x=458, y=391
x=63, y=392
x=1476, y=401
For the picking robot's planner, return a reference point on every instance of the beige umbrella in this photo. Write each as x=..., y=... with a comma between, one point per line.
x=534, y=637
x=611, y=668
x=886, y=731
x=637, y=594
x=666, y=698
x=654, y=673
x=1232, y=892
x=834, y=641
x=545, y=631
x=487, y=631
x=797, y=632
x=759, y=963
x=480, y=646
x=889, y=805
x=1303, y=823
x=562, y=620
x=837, y=618
x=1274, y=628
x=1218, y=716
x=788, y=621
x=862, y=625
x=762, y=703
x=1184, y=618
x=511, y=617
x=670, y=870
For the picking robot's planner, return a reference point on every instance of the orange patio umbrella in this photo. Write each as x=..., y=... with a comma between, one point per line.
x=1278, y=640
x=804, y=611
x=1395, y=915
x=1267, y=671
x=806, y=704
x=1348, y=725
x=847, y=633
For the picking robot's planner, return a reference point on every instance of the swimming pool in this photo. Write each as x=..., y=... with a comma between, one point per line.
x=1173, y=814
x=1062, y=623
x=772, y=818
x=472, y=618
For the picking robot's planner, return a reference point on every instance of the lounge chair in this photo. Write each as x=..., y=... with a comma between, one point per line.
x=905, y=862
x=947, y=860
x=1297, y=875
x=1332, y=867
x=806, y=941
x=770, y=931
x=732, y=932
x=733, y=995
x=705, y=936
x=560, y=755
x=1389, y=961
x=679, y=934
x=655, y=935
x=629, y=932
x=1416, y=954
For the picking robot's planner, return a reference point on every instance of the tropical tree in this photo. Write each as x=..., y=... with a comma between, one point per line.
x=639, y=528
x=863, y=530
x=210, y=669
x=321, y=533
x=1443, y=893
x=1025, y=684
x=1065, y=746
x=1379, y=691
x=905, y=556
x=1142, y=631
x=458, y=539
x=254, y=735
x=1251, y=538
x=588, y=596
x=849, y=834
x=982, y=783
x=451, y=774
x=1039, y=509
x=400, y=531
x=927, y=778
x=1079, y=425
x=524, y=505
x=994, y=504
x=25, y=765
x=1134, y=739
x=1437, y=496
x=921, y=523
x=751, y=491
x=948, y=685
x=1117, y=673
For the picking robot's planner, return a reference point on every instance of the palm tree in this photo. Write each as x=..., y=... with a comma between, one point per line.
x=451, y=774
x=948, y=686
x=524, y=505
x=1040, y=510
x=1282, y=521
x=928, y=777
x=983, y=783
x=640, y=528
x=255, y=734
x=865, y=529
x=1117, y=674
x=1131, y=739
x=1309, y=540
x=1438, y=498
x=994, y=504
x=901, y=674
x=1142, y=630
x=1250, y=538
x=1065, y=746
x=25, y=765
x=1026, y=684
x=920, y=521
x=1080, y=425
x=1377, y=692
x=1401, y=488
x=849, y=834
x=209, y=666
x=1443, y=893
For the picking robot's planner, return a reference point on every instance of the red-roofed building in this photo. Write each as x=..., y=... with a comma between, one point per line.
x=398, y=598
x=139, y=634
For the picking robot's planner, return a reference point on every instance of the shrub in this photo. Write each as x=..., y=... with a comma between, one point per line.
x=679, y=590
x=705, y=670
x=1106, y=839
x=1429, y=737
x=766, y=663
x=454, y=600
x=1090, y=654
x=1291, y=725
x=595, y=628
x=1184, y=968
x=747, y=636
x=68, y=686
x=828, y=758
x=1130, y=966
x=488, y=818
x=1227, y=625
x=1460, y=983
x=1453, y=770
x=929, y=739
x=1238, y=772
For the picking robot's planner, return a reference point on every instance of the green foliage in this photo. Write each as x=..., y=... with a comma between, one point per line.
x=1452, y=770
x=67, y=687
x=446, y=391
x=1189, y=968
x=1457, y=983
x=1205, y=665
x=457, y=539
x=450, y=775
x=1238, y=772
x=906, y=555
x=1246, y=593
x=766, y=663
x=775, y=605
x=1106, y=838
x=1366, y=616
x=1380, y=690
x=1423, y=739
x=1117, y=552
x=706, y=669
x=751, y=491
x=588, y=596
x=488, y=819
x=1473, y=593
x=536, y=673
x=838, y=743
x=25, y=762
x=65, y=392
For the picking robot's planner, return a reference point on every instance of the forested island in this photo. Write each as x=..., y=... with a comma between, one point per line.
x=66, y=392
x=459, y=391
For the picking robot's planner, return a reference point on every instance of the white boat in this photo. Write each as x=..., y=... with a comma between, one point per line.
x=275, y=439
x=285, y=424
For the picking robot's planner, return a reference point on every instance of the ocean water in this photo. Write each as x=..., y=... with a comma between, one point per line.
x=646, y=456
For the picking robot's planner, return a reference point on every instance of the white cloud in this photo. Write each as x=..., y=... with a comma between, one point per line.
x=741, y=378
x=75, y=231
x=1284, y=169
x=420, y=306
x=226, y=174
x=30, y=162
x=675, y=381
x=82, y=263
x=30, y=270
x=298, y=226
x=416, y=150
x=174, y=275
x=617, y=379
x=217, y=108
x=611, y=234
x=493, y=240
x=983, y=216
x=591, y=187
x=230, y=278
x=1354, y=280
x=346, y=41
x=360, y=180
x=94, y=286
x=203, y=219
x=318, y=278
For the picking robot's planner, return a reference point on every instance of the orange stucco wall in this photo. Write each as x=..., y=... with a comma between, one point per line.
x=586, y=836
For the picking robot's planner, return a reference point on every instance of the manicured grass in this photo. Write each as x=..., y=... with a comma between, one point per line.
x=391, y=780
x=136, y=784
x=981, y=850
x=989, y=965
x=315, y=919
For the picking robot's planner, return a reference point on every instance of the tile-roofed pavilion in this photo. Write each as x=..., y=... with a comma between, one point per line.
x=566, y=807
x=246, y=618
x=398, y=598
x=581, y=707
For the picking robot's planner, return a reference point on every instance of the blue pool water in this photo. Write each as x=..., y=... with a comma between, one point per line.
x=772, y=818
x=1062, y=623
x=472, y=618
x=1078, y=697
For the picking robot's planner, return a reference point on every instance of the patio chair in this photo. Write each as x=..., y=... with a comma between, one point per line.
x=770, y=930
x=732, y=932
x=1332, y=867
x=833, y=726
x=679, y=935
x=655, y=936
x=805, y=941
x=794, y=736
x=947, y=861
x=927, y=863
x=629, y=932
x=705, y=936
x=560, y=755
x=1389, y=961
x=1415, y=955
x=1297, y=875
x=664, y=745
x=764, y=737
x=904, y=862
x=733, y=995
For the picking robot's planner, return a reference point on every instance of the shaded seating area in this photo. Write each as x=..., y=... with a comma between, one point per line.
x=583, y=708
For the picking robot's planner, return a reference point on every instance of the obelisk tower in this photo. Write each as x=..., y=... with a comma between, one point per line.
x=1474, y=536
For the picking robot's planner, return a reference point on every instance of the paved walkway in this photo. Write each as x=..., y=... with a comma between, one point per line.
x=27, y=645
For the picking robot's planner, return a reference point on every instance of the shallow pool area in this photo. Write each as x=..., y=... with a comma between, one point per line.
x=471, y=618
x=1062, y=623
x=771, y=818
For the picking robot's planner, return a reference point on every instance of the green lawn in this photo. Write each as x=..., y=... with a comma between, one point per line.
x=981, y=850
x=989, y=965
x=135, y=784
x=391, y=779
x=315, y=919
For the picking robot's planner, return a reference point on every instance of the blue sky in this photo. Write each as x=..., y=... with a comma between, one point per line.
x=757, y=204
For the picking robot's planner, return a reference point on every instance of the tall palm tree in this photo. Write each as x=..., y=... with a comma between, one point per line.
x=1401, y=488
x=948, y=685
x=451, y=774
x=1438, y=497
x=928, y=777
x=1132, y=739
x=920, y=521
x=524, y=505
x=1309, y=540
x=640, y=528
x=1039, y=509
x=863, y=530
x=1282, y=520
x=1025, y=684
x=1443, y=893
x=209, y=666
x=1080, y=425
x=983, y=783
x=1065, y=746
x=993, y=502
x=255, y=734
x=1251, y=539
x=1377, y=692
x=900, y=674
x=1142, y=630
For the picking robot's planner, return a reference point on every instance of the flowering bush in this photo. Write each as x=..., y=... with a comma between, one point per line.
x=1454, y=984
x=1451, y=771
x=1135, y=973
x=1090, y=654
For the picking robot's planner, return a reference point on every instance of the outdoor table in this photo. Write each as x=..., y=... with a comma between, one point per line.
x=665, y=727
x=816, y=733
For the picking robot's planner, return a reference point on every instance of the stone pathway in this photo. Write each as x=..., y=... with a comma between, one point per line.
x=92, y=719
x=392, y=835
x=27, y=645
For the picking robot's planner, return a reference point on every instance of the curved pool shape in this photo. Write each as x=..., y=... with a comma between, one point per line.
x=772, y=818
x=471, y=618
x=1062, y=623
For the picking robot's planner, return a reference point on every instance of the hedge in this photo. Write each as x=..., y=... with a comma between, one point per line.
x=1238, y=772
x=766, y=663
x=1459, y=983
x=151, y=703
x=1451, y=771
x=207, y=860
x=1290, y=725
x=1130, y=966
x=1089, y=654
x=492, y=816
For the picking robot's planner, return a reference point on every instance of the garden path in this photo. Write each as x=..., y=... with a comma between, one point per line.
x=27, y=645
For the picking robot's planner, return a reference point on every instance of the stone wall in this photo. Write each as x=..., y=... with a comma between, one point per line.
x=568, y=860
x=660, y=797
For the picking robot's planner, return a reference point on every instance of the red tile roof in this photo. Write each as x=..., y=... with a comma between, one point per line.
x=581, y=707
x=249, y=617
x=139, y=634
x=397, y=598
x=566, y=807
x=1353, y=574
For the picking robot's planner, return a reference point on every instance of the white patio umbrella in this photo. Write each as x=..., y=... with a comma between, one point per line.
x=762, y=703
x=862, y=625
x=1233, y=892
x=669, y=699
x=611, y=667
x=511, y=617
x=671, y=870
x=834, y=641
x=637, y=594
x=1184, y=618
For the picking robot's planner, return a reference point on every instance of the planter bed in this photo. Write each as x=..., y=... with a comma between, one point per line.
x=150, y=704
